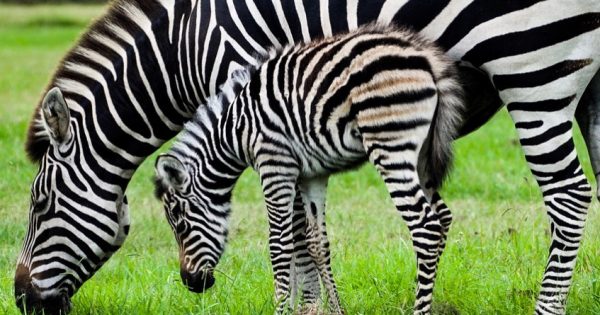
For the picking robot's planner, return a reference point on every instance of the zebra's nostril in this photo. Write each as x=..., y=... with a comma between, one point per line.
x=197, y=282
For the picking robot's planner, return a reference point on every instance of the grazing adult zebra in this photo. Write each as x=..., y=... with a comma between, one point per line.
x=141, y=70
x=310, y=111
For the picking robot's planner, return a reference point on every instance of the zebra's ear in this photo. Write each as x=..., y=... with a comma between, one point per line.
x=55, y=115
x=170, y=173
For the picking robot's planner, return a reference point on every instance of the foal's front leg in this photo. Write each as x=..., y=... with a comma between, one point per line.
x=278, y=186
x=305, y=274
x=314, y=191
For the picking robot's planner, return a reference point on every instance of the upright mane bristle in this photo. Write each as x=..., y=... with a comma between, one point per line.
x=227, y=93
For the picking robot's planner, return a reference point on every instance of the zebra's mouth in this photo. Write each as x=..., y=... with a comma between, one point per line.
x=198, y=282
x=29, y=300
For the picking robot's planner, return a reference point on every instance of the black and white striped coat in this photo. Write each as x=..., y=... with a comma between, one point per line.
x=310, y=111
x=140, y=71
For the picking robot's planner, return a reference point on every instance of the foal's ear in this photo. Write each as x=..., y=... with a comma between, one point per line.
x=55, y=115
x=171, y=172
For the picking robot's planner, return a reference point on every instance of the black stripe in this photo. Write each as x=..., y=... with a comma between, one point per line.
x=551, y=105
x=401, y=97
x=539, y=77
x=548, y=134
x=553, y=156
x=516, y=43
x=476, y=13
x=391, y=147
x=417, y=14
x=368, y=10
x=529, y=124
x=338, y=17
x=395, y=126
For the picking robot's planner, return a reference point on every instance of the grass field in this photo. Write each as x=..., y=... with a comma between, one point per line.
x=493, y=263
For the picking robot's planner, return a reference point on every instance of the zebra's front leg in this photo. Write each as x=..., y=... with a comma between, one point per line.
x=550, y=152
x=314, y=192
x=279, y=190
x=398, y=171
x=306, y=275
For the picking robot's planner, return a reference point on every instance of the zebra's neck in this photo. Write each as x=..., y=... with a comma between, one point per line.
x=126, y=83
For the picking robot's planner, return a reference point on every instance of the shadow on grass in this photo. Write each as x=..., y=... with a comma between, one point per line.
x=47, y=21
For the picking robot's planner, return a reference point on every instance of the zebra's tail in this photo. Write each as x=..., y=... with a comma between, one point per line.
x=445, y=126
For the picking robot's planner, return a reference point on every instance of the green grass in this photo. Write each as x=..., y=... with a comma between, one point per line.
x=493, y=264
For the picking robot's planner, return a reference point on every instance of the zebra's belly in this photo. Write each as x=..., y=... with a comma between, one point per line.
x=329, y=151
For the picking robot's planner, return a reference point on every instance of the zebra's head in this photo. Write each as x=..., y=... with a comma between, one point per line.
x=198, y=217
x=75, y=222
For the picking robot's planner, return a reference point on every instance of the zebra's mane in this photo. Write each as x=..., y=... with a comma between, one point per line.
x=120, y=13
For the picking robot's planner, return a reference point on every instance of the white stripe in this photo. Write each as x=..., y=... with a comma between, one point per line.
x=537, y=15
x=389, y=9
x=146, y=25
x=182, y=80
x=189, y=63
x=97, y=58
x=352, y=14
x=263, y=25
x=197, y=54
x=283, y=21
x=240, y=26
x=209, y=33
x=303, y=21
x=324, y=14
x=438, y=25
x=125, y=36
x=111, y=44
x=169, y=5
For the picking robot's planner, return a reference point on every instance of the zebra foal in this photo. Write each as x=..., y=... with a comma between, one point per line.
x=379, y=94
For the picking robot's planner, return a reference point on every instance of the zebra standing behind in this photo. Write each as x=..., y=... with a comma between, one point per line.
x=309, y=111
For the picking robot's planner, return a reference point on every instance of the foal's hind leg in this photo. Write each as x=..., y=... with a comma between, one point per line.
x=398, y=169
x=445, y=216
x=314, y=191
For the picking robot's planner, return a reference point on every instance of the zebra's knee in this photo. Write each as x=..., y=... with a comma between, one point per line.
x=567, y=207
x=427, y=236
x=574, y=198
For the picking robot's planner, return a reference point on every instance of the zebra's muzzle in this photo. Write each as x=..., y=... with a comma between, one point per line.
x=29, y=299
x=197, y=282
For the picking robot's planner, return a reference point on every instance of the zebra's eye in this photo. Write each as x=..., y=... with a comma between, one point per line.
x=40, y=204
x=175, y=209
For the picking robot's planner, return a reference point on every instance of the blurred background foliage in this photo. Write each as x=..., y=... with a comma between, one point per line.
x=52, y=1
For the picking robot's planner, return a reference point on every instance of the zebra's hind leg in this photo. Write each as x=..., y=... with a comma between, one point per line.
x=547, y=142
x=398, y=169
x=314, y=191
x=306, y=273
